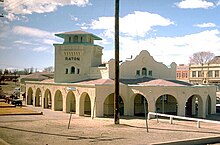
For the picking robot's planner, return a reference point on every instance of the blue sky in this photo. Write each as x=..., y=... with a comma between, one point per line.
x=171, y=30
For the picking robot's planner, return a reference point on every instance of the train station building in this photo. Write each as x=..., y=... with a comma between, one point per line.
x=84, y=85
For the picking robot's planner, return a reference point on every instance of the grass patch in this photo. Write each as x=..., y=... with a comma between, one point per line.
x=3, y=104
x=8, y=109
x=8, y=87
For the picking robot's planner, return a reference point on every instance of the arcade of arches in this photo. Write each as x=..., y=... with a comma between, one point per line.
x=134, y=100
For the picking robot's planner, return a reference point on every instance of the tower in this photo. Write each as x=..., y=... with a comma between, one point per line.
x=76, y=56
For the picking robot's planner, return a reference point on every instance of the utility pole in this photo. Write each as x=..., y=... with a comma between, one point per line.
x=1, y=15
x=116, y=94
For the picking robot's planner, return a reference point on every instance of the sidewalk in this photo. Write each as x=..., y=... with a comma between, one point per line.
x=51, y=129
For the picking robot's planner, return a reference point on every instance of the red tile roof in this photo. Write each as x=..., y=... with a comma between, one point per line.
x=98, y=81
x=161, y=82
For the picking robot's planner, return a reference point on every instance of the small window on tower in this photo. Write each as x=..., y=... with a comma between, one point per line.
x=66, y=70
x=78, y=71
x=72, y=70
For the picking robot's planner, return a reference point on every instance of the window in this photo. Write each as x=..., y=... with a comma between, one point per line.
x=194, y=74
x=183, y=75
x=138, y=72
x=75, y=38
x=217, y=74
x=78, y=71
x=144, y=71
x=178, y=75
x=69, y=39
x=210, y=73
x=72, y=70
x=200, y=73
x=81, y=39
x=150, y=73
x=66, y=70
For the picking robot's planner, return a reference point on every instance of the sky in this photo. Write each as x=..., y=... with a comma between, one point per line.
x=170, y=30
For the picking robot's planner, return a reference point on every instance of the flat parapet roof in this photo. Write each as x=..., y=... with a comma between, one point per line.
x=78, y=32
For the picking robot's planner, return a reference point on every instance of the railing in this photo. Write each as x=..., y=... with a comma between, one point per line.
x=183, y=118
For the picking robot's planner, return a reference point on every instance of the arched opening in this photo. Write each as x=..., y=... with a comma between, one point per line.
x=139, y=107
x=194, y=106
x=38, y=98
x=58, y=101
x=109, y=106
x=30, y=97
x=47, y=99
x=70, y=102
x=85, y=105
x=167, y=104
x=72, y=70
x=208, y=105
x=144, y=71
x=75, y=39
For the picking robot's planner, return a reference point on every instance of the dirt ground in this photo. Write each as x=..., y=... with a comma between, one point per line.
x=52, y=129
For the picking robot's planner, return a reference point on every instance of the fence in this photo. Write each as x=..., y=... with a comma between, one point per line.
x=172, y=117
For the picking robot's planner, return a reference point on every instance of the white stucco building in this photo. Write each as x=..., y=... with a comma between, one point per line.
x=84, y=85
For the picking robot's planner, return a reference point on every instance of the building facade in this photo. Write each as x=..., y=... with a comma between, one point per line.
x=208, y=74
x=182, y=72
x=84, y=85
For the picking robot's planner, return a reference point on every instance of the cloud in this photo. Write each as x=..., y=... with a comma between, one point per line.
x=4, y=29
x=205, y=25
x=193, y=4
x=33, y=32
x=50, y=41
x=40, y=49
x=170, y=49
x=143, y=22
x=23, y=7
x=23, y=42
x=72, y=17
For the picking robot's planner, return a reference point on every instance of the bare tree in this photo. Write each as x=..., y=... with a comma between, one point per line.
x=49, y=69
x=201, y=57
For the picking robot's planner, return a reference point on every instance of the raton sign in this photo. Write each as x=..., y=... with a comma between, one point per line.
x=72, y=55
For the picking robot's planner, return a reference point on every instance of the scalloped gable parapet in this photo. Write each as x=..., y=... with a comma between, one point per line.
x=129, y=68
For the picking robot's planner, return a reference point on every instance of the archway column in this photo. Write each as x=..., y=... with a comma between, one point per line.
x=64, y=102
x=93, y=106
x=43, y=99
x=151, y=107
x=78, y=106
x=203, y=107
x=181, y=106
x=34, y=97
x=53, y=100
x=99, y=108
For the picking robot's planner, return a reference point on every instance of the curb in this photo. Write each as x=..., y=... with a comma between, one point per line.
x=198, y=141
x=37, y=113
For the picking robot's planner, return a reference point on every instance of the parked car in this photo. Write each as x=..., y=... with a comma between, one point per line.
x=16, y=91
x=16, y=102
